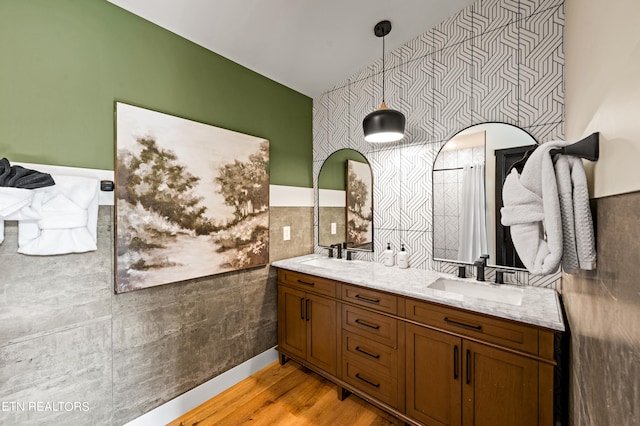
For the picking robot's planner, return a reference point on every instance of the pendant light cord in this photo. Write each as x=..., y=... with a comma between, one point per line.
x=383, y=67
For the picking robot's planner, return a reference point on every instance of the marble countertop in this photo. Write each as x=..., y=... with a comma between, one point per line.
x=539, y=306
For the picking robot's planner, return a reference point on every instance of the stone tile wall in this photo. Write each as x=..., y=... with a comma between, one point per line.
x=603, y=311
x=66, y=337
x=56, y=330
x=300, y=219
x=329, y=215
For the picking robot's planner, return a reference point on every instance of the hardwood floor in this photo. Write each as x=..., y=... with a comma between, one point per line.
x=284, y=395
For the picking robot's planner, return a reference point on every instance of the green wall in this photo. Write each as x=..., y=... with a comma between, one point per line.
x=333, y=174
x=64, y=62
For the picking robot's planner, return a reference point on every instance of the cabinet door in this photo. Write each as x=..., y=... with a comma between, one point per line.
x=292, y=325
x=433, y=376
x=322, y=332
x=499, y=387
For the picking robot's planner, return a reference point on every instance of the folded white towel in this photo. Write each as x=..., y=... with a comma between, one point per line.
x=532, y=210
x=15, y=205
x=68, y=218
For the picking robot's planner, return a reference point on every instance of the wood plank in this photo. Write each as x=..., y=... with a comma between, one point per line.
x=284, y=395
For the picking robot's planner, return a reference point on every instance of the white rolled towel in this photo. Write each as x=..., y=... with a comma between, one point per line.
x=68, y=218
x=15, y=205
x=532, y=210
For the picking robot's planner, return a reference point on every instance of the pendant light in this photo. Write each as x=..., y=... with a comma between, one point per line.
x=384, y=124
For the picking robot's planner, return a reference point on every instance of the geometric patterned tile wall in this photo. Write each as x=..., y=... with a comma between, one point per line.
x=496, y=60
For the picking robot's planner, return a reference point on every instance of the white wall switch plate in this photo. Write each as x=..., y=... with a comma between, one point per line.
x=334, y=228
x=286, y=233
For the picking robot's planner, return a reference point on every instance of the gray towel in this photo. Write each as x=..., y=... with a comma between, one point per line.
x=19, y=177
x=577, y=226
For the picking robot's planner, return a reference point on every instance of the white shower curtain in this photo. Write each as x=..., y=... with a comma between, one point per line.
x=473, y=230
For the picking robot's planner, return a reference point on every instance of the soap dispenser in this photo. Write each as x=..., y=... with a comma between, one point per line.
x=387, y=256
x=403, y=258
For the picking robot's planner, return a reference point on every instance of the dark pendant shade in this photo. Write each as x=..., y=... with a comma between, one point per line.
x=383, y=125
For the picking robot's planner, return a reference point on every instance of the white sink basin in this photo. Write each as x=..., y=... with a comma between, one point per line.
x=325, y=262
x=501, y=294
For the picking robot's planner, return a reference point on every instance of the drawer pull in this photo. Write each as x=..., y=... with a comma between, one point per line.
x=461, y=324
x=306, y=283
x=367, y=299
x=359, y=349
x=366, y=324
x=358, y=376
x=468, y=366
x=455, y=362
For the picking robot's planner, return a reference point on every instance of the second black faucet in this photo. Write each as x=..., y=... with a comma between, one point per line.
x=480, y=265
x=340, y=246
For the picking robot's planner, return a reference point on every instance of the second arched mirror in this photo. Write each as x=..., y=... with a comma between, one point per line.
x=345, y=201
x=467, y=193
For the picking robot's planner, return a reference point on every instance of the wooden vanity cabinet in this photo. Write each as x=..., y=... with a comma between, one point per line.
x=454, y=381
x=499, y=388
x=493, y=371
x=370, y=352
x=434, y=376
x=427, y=364
x=307, y=323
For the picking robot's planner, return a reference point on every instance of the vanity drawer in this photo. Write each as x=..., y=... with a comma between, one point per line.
x=367, y=352
x=306, y=282
x=492, y=330
x=370, y=298
x=371, y=325
x=375, y=383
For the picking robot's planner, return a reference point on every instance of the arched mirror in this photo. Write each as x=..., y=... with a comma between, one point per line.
x=345, y=201
x=468, y=174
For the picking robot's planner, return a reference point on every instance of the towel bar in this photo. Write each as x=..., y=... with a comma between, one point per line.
x=107, y=185
x=587, y=148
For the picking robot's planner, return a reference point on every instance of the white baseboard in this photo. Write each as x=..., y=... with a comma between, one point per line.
x=186, y=402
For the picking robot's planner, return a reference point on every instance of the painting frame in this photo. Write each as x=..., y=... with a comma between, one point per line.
x=191, y=199
x=359, y=205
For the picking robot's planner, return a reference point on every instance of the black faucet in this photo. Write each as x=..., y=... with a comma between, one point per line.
x=339, y=247
x=500, y=276
x=462, y=271
x=480, y=265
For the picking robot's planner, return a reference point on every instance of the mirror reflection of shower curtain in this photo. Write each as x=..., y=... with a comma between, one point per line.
x=473, y=230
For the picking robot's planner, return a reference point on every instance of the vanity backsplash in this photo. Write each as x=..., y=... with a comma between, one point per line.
x=488, y=63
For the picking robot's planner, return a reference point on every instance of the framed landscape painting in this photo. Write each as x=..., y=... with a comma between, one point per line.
x=192, y=199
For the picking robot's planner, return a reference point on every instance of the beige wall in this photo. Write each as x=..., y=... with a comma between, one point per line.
x=602, y=75
x=602, y=43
